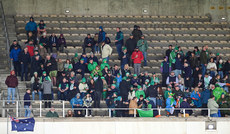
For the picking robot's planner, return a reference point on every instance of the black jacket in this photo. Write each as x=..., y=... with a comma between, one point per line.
x=130, y=45
x=25, y=58
x=124, y=87
x=53, y=65
x=88, y=41
x=99, y=85
x=152, y=91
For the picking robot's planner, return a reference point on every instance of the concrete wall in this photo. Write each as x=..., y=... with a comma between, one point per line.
x=123, y=126
x=217, y=8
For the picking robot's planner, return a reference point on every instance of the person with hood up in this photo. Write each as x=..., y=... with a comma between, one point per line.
x=76, y=102
x=61, y=43
x=101, y=37
x=196, y=97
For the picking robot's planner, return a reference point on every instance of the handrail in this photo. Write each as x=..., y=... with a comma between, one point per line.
x=64, y=109
x=6, y=34
x=19, y=102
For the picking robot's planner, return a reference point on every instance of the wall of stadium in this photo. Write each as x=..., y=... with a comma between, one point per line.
x=123, y=126
x=216, y=8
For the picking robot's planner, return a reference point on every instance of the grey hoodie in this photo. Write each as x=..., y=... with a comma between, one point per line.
x=213, y=106
x=47, y=87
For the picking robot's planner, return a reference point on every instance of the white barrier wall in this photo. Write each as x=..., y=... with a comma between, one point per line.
x=122, y=126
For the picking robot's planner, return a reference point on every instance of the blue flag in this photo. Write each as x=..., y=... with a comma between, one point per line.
x=22, y=125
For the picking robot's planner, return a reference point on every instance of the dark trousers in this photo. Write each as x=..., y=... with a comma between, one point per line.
x=62, y=95
x=85, y=46
x=24, y=70
x=204, y=112
x=76, y=114
x=164, y=78
x=17, y=67
x=89, y=111
x=97, y=99
x=188, y=83
x=49, y=98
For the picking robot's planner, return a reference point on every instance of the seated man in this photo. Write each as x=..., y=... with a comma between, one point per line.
x=41, y=28
x=172, y=79
x=44, y=41
x=63, y=90
x=52, y=113
x=88, y=42
x=53, y=42
x=80, y=67
x=77, y=102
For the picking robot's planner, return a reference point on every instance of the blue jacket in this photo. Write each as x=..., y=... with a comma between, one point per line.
x=31, y=26
x=194, y=96
x=75, y=100
x=14, y=54
x=27, y=99
x=101, y=35
x=178, y=64
x=120, y=38
x=205, y=95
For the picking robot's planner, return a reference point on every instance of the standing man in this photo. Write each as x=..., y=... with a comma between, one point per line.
x=119, y=40
x=130, y=45
x=12, y=83
x=101, y=37
x=136, y=33
x=143, y=46
x=213, y=106
x=27, y=104
x=24, y=59
x=203, y=60
x=137, y=57
x=165, y=69
x=167, y=53
x=106, y=51
x=47, y=90
x=88, y=42
x=51, y=67
x=98, y=92
x=14, y=53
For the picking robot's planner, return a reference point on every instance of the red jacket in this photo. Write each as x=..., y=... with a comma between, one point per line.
x=137, y=57
x=11, y=81
x=30, y=50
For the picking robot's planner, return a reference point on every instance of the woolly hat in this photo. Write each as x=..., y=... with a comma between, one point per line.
x=83, y=80
x=138, y=87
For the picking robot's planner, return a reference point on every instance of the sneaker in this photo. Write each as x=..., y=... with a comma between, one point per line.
x=90, y=115
x=13, y=103
x=8, y=103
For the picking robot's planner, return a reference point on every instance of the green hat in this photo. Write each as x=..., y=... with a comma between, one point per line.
x=119, y=98
x=147, y=80
x=70, y=67
x=135, y=75
x=114, y=79
x=138, y=87
x=115, y=93
x=148, y=98
x=113, y=85
x=76, y=55
x=44, y=72
x=176, y=48
x=169, y=87
x=124, y=48
x=83, y=80
x=217, y=54
x=119, y=74
x=124, y=78
x=41, y=44
x=82, y=59
x=104, y=60
x=127, y=73
x=103, y=78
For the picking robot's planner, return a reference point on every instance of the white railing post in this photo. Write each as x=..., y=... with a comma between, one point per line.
x=109, y=112
x=40, y=108
x=135, y=112
x=63, y=108
x=86, y=112
x=209, y=112
x=159, y=111
x=3, y=108
x=184, y=112
x=16, y=108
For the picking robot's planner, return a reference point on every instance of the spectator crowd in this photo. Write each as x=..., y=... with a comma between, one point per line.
x=195, y=79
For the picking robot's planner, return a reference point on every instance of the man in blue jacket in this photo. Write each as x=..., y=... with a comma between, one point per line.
x=27, y=104
x=14, y=57
x=31, y=26
x=101, y=36
x=76, y=102
x=119, y=40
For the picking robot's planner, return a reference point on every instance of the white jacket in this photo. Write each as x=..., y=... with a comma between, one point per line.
x=211, y=65
x=106, y=51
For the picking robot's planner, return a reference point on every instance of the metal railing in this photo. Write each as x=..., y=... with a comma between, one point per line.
x=6, y=34
x=109, y=111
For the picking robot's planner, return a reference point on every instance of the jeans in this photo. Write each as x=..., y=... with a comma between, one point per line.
x=27, y=111
x=221, y=73
x=159, y=102
x=203, y=69
x=11, y=92
x=24, y=70
x=39, y=94
x=107, y=59
x=119, y=49
x=154, y=99
x=214, y=115
x=96, y=48
x=177, y=72
x=62, y=95
x=137, y=68
x=212, y=74
x=145, y=58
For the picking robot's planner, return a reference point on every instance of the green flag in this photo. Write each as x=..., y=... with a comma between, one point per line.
x=217, y=92
x=145, y=113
